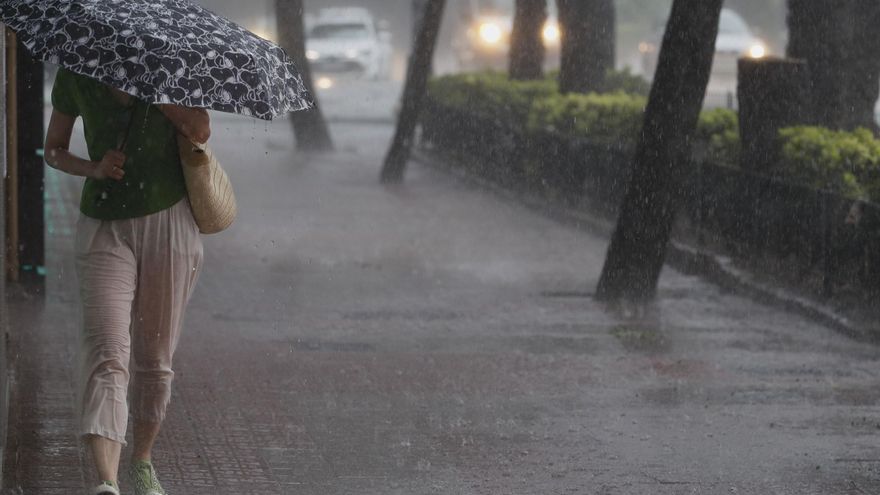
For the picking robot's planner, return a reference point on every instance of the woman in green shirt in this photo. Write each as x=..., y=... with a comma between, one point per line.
x=138, y=258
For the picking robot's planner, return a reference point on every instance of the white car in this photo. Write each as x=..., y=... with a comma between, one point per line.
x=348, y=41
x=735, y=40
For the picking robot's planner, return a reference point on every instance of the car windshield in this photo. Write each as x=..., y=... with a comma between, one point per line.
x=732, y=23
x=339, y=31
x=507, y=6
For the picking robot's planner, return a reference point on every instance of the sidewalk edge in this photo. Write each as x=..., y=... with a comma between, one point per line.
x=716, y=268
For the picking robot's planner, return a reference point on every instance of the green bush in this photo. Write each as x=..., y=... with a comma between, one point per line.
x=611, y=117
x=491, y=94
x=618, y=80
x=847, y=163
x=626, y=81
x=718, y=132
x=608, y=118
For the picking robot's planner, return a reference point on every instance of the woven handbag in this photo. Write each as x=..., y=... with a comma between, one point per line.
x=210, y=192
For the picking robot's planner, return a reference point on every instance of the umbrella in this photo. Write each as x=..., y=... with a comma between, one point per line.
x=162, y=51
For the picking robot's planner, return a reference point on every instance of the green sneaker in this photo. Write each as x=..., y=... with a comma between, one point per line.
x=106, y=488
x=143, y=479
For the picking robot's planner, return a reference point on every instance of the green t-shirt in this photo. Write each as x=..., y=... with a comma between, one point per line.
x=153, y=176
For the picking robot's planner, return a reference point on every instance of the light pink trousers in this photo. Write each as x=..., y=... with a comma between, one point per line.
x=135, y=277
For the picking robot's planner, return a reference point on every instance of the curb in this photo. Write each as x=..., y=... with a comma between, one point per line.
x=716, y=268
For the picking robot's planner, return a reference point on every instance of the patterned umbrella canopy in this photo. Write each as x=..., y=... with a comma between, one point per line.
x=162, y=51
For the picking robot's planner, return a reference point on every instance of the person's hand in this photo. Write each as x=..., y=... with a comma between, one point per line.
x=193, y=123
x=110, y=167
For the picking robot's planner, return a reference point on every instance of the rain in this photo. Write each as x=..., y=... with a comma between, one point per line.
x=440, y=247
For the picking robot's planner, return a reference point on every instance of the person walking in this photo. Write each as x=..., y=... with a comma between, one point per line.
x=138, y=250
x=138, y=257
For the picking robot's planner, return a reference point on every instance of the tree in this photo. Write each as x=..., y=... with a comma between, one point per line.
x=773, y=93
x=661, y=163
x=865, y=65
x=837, y=39
x=417, y=8
x=414, y=92
x=814, y=36
x=588, y=44
x=527, y=40
x=309, y=126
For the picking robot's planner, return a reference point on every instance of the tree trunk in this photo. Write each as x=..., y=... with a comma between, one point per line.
x=309, y=126
x=418, y=11
x=588, y=44
x=837, y=39
x=527, y=40
x=865, y=56
x=773, y=94
x=815, y=36
x=662, y=160
x=414, y=92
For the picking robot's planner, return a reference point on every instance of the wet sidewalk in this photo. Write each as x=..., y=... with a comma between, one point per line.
x=347, y=338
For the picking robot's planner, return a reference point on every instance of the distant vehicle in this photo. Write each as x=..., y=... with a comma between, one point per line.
x=735, y=40
x=482, y=40
x=348, y=41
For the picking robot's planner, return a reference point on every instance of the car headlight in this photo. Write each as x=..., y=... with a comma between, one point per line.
x=324, y=83
x=757, y=50
x=490, y=33
x=551, y=33
x=312, y=54
x=645, y=47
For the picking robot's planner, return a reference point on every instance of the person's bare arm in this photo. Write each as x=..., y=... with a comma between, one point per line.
x=193, y=123
x=58, y=155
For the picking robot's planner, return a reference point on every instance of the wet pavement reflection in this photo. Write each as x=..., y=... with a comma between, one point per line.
x=347, y=337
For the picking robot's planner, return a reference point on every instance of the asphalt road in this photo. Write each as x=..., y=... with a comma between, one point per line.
x=351, y=99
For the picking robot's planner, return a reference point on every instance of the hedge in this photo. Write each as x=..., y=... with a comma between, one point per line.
x=614, y=117
x=718, y=132
x=491, y=94
x=847, y=163
x=610, y=118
